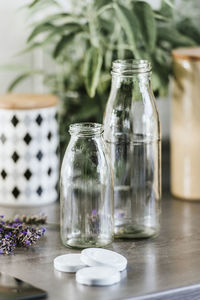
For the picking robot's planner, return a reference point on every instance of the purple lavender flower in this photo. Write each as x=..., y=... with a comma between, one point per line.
x=120, y=214
x=20, y=232
x=43, y=230
x=94, y=222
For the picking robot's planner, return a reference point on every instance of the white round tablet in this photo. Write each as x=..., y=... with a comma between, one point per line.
x=68, y=263
x=102, y=257
x=100, y=276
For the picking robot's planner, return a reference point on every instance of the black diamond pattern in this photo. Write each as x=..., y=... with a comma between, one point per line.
x=39, y=155
x=16, y=192
x=3, y=138
x=3, y=174
x=27, y=174
x=49, y=136
x=27, y=138
x=49, y=171
x=15, y=156
x=39, y=120
x=14, y=121
x=39, y=191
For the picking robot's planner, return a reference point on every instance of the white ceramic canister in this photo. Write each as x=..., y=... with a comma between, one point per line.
x=28, y=149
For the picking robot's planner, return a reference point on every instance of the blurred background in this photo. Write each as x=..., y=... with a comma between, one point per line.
x=67, y=47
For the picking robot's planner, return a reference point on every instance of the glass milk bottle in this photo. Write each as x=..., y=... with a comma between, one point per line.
x=86, y=189
x=132, y=134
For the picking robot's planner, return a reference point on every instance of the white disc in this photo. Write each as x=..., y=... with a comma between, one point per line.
x=101, y=257
x=98, y=276
x=68, y=263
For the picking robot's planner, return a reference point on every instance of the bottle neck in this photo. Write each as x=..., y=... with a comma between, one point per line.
x=131, y=67
x=86, y=130
x=135, y=79
x=131, y=74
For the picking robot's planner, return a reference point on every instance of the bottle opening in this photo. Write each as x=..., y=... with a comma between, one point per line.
x=130, y=67
x=86, y=129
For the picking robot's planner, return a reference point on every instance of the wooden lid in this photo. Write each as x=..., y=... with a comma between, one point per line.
x=187, y=53
x=27, y=101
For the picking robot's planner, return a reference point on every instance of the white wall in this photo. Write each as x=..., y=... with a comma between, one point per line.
x=13, y=34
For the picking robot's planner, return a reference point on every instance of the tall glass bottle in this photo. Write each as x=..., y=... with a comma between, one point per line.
x=86, y=189
x=132, y=133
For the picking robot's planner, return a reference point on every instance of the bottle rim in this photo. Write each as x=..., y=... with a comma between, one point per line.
x=130, y=67
x=86, y=129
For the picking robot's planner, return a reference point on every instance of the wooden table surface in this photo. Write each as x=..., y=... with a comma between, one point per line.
x=167, y=267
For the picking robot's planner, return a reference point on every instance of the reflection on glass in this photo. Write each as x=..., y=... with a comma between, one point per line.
x=132, y=133
x=86, y=189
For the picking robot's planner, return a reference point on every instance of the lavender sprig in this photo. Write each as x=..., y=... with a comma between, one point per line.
x=94, y=222
x=20, y=232
x=30, y=220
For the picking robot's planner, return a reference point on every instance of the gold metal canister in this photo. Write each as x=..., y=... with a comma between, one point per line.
x=185, y=124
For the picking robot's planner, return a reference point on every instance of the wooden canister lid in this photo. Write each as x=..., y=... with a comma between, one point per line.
x=27, y=101
x=187, y=53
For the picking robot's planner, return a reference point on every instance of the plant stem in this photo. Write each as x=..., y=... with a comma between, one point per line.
x=103, y=9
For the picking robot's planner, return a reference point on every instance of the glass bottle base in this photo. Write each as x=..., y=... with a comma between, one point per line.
x=135, y=232
x=81, y=244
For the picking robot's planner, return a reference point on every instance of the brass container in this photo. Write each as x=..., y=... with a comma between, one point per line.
x=185, y=124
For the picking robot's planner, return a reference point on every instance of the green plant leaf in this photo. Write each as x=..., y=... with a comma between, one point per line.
x=104, y=83
x=54, y=30
x=59, y=21
x=167, y=9
x=92, y=69
x=189, y=28
x=47, y=40
x=175, y=38
x=170, y=3
x=160, y=76
x=30, y=48
x=129, y=23
x=22, y=77
x=33, y=3
x=108, y=59
x=106, y=26
x=65, y=40
x=160, y=17
x=146, y=20
x=14, y=68
x=41, y=2
x=101, y=3
x=59, y=16
x=40, y=29
x=86, y=112
x=162, y=57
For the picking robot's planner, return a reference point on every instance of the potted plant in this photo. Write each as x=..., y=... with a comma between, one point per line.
x=84, y=38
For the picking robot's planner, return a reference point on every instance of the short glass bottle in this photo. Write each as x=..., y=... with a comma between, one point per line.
x=86, y=188
x=132, y=133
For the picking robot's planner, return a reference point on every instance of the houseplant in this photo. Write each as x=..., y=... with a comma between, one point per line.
x=83, y=39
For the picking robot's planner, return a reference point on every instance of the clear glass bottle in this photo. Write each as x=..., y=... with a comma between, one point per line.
x=132, y=133
x=86, y=189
